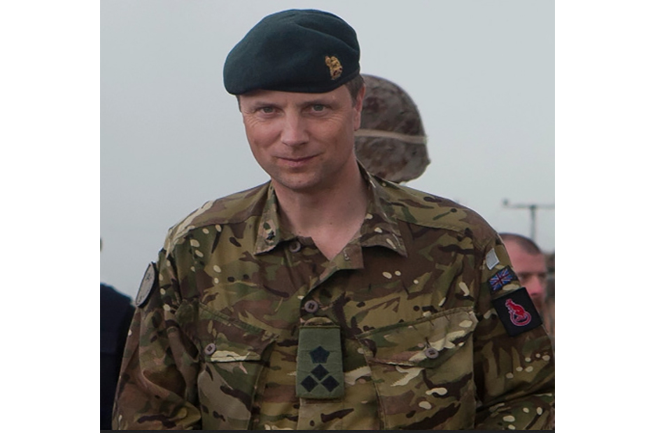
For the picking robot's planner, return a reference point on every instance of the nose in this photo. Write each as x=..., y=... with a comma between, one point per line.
x=536, y=290
x=294, y=130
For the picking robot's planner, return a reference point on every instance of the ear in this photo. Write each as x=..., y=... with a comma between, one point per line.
x=358, y=105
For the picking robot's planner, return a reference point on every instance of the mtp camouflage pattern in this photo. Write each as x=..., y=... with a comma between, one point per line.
x=214, y=346
x=391, y=142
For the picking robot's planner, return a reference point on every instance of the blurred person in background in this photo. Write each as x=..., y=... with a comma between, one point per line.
x=114, y=320
x=390, y=142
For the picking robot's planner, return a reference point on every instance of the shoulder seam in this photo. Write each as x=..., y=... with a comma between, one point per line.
x=179, y=230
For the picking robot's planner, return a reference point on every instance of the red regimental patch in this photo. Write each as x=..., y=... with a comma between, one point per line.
x=517, y=312
x=518, y=315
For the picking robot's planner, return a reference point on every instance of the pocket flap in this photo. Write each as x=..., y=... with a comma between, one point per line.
x=226, y=339
x=422, y=343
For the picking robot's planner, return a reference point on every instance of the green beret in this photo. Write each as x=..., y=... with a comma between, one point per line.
x=307, y=51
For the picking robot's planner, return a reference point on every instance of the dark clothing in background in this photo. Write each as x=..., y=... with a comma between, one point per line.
x=115, y=318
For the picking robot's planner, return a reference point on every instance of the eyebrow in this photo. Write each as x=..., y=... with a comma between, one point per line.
x=261, y=103
x=320, y=100
x=256, y=105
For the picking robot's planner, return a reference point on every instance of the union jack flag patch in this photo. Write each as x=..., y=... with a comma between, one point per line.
x=501, y=278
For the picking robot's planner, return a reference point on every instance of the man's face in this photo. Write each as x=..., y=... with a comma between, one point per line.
x=304, y=141
x=531, y=271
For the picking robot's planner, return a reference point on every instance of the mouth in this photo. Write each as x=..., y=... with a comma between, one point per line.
x=296, y=162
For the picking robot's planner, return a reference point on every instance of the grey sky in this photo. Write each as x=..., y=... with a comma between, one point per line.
x=481, y=73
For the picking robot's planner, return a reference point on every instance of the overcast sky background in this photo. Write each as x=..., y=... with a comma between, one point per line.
x=481, y=74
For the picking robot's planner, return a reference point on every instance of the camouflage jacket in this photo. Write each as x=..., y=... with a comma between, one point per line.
x=234, y=299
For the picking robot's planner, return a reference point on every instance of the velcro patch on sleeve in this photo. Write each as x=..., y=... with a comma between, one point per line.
x=491, y=259
x=517, y=312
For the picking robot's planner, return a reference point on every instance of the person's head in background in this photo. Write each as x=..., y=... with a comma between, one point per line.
x=529, y=263
x=391, y=142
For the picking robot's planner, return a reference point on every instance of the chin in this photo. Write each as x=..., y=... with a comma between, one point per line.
x=300, y=183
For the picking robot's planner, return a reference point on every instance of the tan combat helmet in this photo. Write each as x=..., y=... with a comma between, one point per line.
x=391, y=142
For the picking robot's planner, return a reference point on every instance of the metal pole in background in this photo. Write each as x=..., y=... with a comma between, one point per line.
x=533, y=214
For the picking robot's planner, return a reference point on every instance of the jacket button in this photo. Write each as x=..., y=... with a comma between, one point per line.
x=210, y=349
x=431, y=353
x=311, y=306
x=295, y=247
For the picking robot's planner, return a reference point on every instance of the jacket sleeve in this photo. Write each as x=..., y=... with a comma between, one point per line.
x=515, y=375
x=157, y=384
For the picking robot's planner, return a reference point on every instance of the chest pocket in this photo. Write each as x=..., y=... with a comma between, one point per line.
x=233, y=354
x=423, y=371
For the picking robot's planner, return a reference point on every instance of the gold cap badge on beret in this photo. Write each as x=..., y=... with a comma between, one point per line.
x=336, y=69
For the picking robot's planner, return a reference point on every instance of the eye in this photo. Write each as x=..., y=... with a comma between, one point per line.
x=267, y=110
x=318, y=107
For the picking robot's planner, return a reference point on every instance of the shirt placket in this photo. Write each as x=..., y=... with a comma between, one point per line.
x=320, y=382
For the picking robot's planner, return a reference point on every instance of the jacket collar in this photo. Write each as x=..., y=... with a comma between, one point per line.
x=379, y=228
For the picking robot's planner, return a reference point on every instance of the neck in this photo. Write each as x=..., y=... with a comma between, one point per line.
x=330, y=216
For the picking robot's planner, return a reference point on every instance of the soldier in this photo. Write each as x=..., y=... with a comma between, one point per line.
x=328, y=298
x=390, y=142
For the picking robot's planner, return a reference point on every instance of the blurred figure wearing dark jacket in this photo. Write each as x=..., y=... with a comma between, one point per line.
x=115, y=318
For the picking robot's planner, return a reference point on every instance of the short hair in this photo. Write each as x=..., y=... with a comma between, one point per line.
x=354, y=86
x=527, y=244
